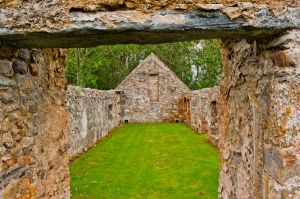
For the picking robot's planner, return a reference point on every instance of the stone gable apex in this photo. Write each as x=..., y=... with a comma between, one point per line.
x=153, y=69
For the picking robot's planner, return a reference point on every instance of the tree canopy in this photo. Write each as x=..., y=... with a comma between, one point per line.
x=197, y=63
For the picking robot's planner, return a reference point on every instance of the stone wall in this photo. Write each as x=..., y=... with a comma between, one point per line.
x=93, y=114
x=260, y=114
x=152, y=93
x=201, y=112
x=33, y=120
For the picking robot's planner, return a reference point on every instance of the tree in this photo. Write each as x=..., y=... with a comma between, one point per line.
x=197, y=63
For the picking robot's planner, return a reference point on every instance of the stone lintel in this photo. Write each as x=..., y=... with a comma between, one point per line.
x=89, y=29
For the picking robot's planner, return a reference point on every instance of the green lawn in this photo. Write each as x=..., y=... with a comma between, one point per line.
x=165, y=161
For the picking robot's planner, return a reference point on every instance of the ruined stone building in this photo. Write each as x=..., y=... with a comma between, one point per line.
x=259, y=99
x=151, y=93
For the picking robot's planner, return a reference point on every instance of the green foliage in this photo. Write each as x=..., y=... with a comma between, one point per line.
x=167, y=161
x=197, y=63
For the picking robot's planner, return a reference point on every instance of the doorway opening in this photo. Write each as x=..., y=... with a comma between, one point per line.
x=143, y=84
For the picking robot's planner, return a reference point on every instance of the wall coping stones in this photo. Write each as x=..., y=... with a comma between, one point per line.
x=89, y=92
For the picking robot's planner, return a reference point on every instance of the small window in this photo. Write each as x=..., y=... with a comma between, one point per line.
x=213, y=106
x=126, y=121
x=110, y=115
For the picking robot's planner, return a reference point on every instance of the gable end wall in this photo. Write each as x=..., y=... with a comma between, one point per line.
x=152, y=93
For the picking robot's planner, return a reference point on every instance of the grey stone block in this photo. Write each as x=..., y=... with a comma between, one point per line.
x=5, y=81
x=6, y=68
x=24, y=54
x=20, y=67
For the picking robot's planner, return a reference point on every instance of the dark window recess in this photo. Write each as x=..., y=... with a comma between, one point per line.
x=126, y=121
x=110, y=116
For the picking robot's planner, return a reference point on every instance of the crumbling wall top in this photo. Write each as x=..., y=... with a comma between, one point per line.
x=145, y=5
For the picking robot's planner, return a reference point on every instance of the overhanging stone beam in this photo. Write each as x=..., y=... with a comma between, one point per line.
x=80, y=28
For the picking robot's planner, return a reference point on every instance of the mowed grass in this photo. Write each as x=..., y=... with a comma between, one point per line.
x=148, y=161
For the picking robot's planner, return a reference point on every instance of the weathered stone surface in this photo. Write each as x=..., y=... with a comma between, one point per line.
x=210, y=7
x=8, y=141
x=20, y=67
x=24, y=54
x=259, y=124
x=259, y=105
x=8, y=52
x=201, y=112
x=6, y=68
x=59, y=25
x=33, y=142
x=96, y=5
x=93, y=114
x=33, y=108
x=5, y=81
x=107, y=5
x=272, y=158
x=152, y=93
x=7, y=96
x=34, y=69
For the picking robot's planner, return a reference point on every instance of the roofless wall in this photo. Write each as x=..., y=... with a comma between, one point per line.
x=259, y=93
